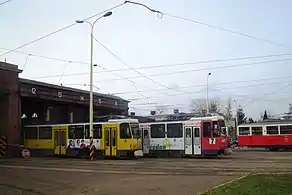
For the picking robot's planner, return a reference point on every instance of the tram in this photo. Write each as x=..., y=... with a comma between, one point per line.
x=273, y=135
x=198, y=136
x=114, y=138
x=228, y=133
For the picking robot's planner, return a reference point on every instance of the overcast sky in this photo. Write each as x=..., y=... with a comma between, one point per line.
x=141, y=39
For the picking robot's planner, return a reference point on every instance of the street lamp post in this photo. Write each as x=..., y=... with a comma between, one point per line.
x=236, y=116
x=207, y=94
x=91, y=154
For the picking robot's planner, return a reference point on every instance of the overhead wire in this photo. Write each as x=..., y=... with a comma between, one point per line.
x=220, y=28
x=203, y=85
x=25, y=62
x=170, y=73
x=59, y=30
x=132, y=82
x=64, y=69
x=142, y=75
x=202, y=69
x=226, y=30
x=211, y=89
x=4, y=2
x=46, y=57
x=153, y=66
x=161, y=14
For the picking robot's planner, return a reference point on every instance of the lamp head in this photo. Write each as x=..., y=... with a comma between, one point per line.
x=79, y=21
x=107, y=14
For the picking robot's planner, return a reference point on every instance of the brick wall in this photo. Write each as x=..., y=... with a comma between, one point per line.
x=9, y=106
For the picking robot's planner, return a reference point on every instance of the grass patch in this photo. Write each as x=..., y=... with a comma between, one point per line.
x=257, y=185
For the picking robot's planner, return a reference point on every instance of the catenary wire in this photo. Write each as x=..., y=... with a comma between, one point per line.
x=203, y=85
x=59, y=30
x=202, y=69
x=155, y=66
x=133, y=83
x=64, y=69
x=201, y=90
x=25, y=62
x=146, y=67
x=142, y=75
x=169, y=73
x=73, y=24
x=4, y=2
x=226, y=30
x=172, y=106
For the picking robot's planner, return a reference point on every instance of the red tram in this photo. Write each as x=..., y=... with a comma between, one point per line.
x=273, y=135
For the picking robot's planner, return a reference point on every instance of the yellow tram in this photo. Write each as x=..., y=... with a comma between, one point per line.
x=114, y=138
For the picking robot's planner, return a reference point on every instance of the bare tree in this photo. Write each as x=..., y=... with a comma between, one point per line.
x=198, y=107
x=228, y=110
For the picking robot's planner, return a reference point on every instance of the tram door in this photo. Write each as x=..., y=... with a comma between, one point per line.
x=197, y=141
x=146, y=141
x=193, y=141
x=60, y=140
x=111, y=141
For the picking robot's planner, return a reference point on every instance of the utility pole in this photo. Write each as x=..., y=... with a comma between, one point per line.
x=207, y=94
x=236, y=117
x=91, y=153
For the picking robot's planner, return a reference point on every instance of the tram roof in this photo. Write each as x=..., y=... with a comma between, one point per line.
x=263, y=123
x=207, y=118
x=94, y=123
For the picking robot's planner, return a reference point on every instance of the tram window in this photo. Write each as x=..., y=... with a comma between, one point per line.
x=188, y=132
x=197, y=132
x=206, y=129
x=45, y=132
x=257, y=130
x=216, y=132
x=272, y=130
x=31, y=132
x=243, y=130
x=135, y=130
x=174, y=130
x=224, y=131
x=146, y=133
x=87, y=132
x=125, y=131
x=97, y=133
x=157, y=131
x=113, y=136
x=76, y=132
x=221, y=123
x=287, y=129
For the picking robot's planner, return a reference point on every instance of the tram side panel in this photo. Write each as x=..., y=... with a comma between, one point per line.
x=271, y=136
x=211, y=141
x=39, y=144
x=188, y=138
x=165, y=139
x=78, y=142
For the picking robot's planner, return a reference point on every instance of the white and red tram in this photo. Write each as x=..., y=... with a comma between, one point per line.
x=273, y=135
x=194, y=137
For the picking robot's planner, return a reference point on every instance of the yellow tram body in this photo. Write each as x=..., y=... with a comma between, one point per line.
x=115, y=138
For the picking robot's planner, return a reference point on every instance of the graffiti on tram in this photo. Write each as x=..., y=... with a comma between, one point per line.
x=82, y=143
x=164, y=146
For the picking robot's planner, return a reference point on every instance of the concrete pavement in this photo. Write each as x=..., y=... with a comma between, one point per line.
x=48, y=176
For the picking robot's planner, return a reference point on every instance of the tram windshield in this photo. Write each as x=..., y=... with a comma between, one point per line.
x=216, y=129
x=136, y=132
x=221, y=123
x=223, y=131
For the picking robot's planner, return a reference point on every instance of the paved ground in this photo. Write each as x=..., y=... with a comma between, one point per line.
x=47, y=176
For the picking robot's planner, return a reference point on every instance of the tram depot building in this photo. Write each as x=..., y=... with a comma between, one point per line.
x=24, y=102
